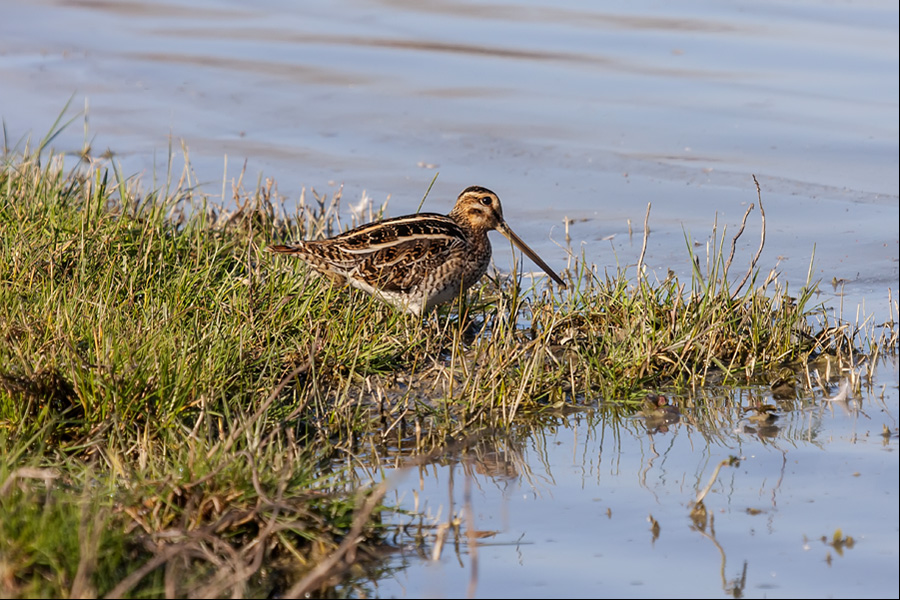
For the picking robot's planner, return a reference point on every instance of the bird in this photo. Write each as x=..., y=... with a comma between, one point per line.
x=418, y=261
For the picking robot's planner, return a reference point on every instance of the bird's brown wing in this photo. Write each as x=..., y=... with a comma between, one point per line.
x=394, y=255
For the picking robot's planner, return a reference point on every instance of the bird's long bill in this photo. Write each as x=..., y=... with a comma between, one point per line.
x=506, y=231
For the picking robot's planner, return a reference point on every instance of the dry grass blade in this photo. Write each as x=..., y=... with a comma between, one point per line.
x=640, y=262
x=47, y=475
x=762, y=241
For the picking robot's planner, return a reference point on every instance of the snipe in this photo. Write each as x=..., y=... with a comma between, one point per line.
x=417, y=261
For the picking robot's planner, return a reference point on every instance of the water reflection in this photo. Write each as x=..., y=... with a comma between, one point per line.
x=577, y=499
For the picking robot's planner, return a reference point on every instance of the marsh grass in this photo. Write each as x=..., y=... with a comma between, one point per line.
x=180, y=412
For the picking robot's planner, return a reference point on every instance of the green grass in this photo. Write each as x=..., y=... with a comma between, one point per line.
x=177, y=406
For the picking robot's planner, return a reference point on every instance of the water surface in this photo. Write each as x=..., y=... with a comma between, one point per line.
x=567, y=511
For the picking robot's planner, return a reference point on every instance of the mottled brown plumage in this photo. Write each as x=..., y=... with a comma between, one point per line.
x=417, y=261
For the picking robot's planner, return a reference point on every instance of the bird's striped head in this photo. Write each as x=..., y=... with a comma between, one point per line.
x=479, y=208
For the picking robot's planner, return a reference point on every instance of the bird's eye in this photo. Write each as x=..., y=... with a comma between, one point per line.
x=486, y=201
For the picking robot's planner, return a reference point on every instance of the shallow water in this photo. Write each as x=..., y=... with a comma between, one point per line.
x=578, y=110
x=569, y=507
